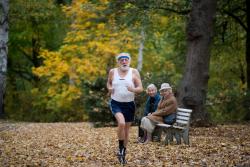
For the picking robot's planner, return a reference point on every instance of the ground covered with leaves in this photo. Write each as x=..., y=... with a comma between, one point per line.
x=80, y=144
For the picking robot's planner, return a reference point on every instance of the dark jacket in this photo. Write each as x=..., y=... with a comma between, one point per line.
x=147, y=107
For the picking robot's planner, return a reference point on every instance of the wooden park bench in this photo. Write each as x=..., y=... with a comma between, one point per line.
x=180, y=129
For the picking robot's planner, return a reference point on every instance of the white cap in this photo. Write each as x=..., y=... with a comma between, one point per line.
x=165, y=86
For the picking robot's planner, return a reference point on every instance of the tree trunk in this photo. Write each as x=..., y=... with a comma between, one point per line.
x=248, y=44
x=247, y=99
x=140, y=54
x=193, y=88
x=4, y=9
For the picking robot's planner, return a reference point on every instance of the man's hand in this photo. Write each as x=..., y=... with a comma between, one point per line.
x=131, y=89
x=111, y=90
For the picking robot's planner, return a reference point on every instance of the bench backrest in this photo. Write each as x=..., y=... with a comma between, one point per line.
x=183, y=116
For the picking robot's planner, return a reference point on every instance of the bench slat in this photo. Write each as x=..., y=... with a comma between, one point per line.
x=182, y=122
x=179, y=127
x=182, y=118
x=184, y=110
x=183, y=114
x=164, y=125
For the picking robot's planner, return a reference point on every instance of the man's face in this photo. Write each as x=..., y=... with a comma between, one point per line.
x=151, y=92
x=165, y=92
x=124, y=63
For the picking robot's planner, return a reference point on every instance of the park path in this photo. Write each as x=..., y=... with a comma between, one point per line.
x=80, y=144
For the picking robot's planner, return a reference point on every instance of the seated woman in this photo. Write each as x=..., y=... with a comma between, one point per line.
x=150, y=107
x=165, y=113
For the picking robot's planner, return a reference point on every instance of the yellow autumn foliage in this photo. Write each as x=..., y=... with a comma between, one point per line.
x=88, y=47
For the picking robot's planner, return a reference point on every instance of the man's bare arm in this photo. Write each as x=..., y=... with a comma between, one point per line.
x=109, y=82
x=137, y=82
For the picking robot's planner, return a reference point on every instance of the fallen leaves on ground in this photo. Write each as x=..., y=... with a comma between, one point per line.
x=80, y=144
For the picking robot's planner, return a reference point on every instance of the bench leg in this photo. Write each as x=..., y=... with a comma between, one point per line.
x=157, y=134
x=177, y=137
x=186, y=136
x=171, y=137
x=168, y=136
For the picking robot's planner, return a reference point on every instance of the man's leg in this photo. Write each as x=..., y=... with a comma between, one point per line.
x=121, y=136
x=121, y=126
x=126, y=139
x=170, y=119
x=140, y=130
x=156, y=135
x=149, y=137
x=127, y=128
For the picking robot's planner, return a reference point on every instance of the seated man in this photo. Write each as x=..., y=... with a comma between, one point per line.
x=151, y=105
x=165, y=113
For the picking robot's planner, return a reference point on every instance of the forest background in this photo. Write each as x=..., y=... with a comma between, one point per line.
x=61, y=51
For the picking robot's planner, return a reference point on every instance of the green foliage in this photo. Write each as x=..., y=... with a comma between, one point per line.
x=227, y=106
x=227, y=85
x=33, y=25
x=246, y=105
x=72, y=55
x=96, y=101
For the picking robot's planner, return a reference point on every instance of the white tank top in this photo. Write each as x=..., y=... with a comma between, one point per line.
x=121, y=93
